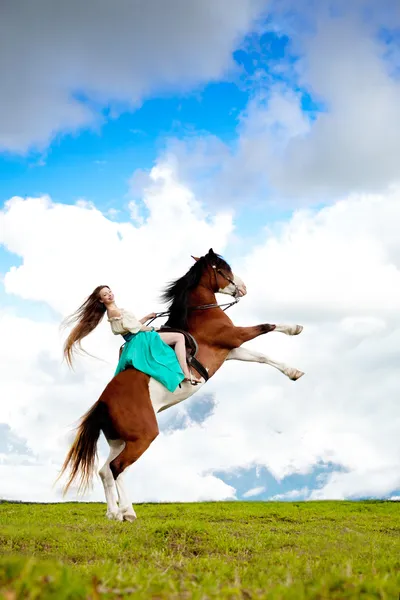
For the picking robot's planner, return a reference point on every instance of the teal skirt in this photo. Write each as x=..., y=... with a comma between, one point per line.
x=148, y=353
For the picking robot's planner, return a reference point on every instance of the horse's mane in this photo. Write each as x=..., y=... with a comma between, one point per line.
x=176, y=293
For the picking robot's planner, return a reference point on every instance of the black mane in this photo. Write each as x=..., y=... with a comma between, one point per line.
x=176, y=293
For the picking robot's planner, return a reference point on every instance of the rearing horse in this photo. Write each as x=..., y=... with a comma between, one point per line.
x=126, y=410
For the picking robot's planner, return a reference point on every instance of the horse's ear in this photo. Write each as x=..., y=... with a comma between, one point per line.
x=211, y=252
x=194, y=257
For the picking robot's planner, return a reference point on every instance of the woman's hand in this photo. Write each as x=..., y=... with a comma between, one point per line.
x=148, y=317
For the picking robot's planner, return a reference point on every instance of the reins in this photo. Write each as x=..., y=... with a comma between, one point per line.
x=227, y=305
x=216, y=305
x=207, y=306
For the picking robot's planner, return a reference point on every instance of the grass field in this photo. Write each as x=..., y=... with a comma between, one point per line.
x=225, y=550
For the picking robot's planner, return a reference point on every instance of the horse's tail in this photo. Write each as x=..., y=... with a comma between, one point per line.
x=82, y=454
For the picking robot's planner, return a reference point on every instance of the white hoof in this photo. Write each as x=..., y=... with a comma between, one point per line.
x=298, y=329
x=294, y=374
x=127, y=514
x=129, y=517
x=114, y=516
x=289, y=329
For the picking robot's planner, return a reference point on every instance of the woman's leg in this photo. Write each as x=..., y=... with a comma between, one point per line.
x=177, y=340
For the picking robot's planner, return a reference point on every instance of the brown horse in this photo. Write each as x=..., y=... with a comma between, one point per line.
x=126, y=410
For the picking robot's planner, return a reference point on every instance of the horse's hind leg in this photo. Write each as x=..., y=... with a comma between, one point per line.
x=116, y=447
x=126, y=510
x=130, y=454
x=132, y=419
x=252, y=356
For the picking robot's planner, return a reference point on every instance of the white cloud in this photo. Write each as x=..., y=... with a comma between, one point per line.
x=288, y=151
x=353, y=145
x=364, y=482
x=292, y=495
x=58, y=54
x=267, y=126
x=340, y=262
x=336, y=270
x=80, y=247
x=254, y=492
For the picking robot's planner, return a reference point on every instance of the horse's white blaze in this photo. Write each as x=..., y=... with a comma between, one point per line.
x=230, y=289
x=162, y=399
x=240, y=284
x=252, y=356
x=116, y=447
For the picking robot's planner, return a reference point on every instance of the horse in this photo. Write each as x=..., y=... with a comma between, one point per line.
x=126, y=410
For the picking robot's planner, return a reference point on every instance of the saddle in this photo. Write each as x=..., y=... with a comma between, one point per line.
x=191, y=350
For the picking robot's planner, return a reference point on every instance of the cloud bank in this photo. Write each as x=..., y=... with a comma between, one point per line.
x=334, y=269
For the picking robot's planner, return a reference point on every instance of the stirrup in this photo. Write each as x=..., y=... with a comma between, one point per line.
x=192, y=381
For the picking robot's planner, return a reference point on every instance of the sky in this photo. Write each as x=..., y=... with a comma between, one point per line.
x=130, y=140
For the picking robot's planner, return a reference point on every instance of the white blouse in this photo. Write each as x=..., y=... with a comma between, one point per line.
x=125, y=323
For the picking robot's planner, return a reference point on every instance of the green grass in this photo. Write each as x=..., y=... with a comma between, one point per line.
x=337, y=550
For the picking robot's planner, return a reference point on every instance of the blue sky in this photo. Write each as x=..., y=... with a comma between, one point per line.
x=96, y=165
x=267, y=114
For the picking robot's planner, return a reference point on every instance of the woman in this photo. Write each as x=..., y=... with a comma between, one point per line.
x=145, y=349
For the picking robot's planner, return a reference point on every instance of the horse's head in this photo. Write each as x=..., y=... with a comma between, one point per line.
x=210, y=271
x=222, y=278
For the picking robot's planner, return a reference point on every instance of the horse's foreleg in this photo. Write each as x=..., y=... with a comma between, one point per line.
x=252, y=356
x=233, y=337
x=236, y=336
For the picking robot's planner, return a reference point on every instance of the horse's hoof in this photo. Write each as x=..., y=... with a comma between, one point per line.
x=296, y=329
x=295, y=374
x=114, y=516
x=129, y=517
x=289, y=329
x=127, y=513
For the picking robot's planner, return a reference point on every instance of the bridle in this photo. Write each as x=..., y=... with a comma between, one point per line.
x=220, y=271
x=224, y=306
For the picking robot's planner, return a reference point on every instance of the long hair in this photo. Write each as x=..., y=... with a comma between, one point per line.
x=87, y=317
